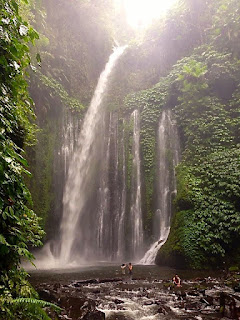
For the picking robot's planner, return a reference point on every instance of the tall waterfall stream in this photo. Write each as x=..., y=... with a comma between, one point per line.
x=76, y=227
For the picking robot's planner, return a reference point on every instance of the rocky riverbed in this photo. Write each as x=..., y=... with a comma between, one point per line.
x=143, y=298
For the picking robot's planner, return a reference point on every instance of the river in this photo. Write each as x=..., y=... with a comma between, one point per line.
x=99, y=292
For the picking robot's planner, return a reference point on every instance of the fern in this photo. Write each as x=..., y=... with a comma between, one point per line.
x=33, y=307
x=40, y=303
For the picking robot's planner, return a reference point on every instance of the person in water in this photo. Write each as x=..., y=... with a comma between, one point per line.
x=130, y=270
x=176, y=280
x=123, y=268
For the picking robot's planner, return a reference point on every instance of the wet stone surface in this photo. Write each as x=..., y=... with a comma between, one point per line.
x=114, y=299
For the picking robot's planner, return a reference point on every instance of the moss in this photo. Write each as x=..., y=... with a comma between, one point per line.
x=233, y=269
x=41, y=163
x=150, y=105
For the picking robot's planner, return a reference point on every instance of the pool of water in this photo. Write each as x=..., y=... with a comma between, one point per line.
x=103, y=271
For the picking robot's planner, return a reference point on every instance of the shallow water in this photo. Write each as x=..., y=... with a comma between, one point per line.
x=104, y=271
x=148, y=296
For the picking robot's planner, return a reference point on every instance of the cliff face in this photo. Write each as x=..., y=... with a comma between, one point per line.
x=188, y=63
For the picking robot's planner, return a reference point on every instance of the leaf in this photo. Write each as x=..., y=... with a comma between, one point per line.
x=38, y=58
x=3, y=240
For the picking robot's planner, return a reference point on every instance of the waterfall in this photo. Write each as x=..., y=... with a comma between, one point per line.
x=122, y=204
x=70, y=134
x=76, y=223
x=102, y=227
x=136, y=210
x=168, y=155
x=112, y=196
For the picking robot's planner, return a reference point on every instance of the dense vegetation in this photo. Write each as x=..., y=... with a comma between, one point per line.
x=188, y=62
x=203, y=91
x=19, y=226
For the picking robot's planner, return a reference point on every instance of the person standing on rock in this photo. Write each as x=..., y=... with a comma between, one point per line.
x=130, y=270
x=176, y=280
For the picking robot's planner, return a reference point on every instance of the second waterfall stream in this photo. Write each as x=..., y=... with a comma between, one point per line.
x=168, y=158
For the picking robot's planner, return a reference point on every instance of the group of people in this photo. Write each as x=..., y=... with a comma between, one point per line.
x=176, y=279
x=129, y=267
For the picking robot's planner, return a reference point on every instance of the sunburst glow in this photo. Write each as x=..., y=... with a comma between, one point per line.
x=141, y=13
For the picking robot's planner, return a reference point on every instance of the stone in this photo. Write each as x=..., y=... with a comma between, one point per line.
x=193, y=293
x=47, y=295
x=208, y=300
x=93, y=315
x=148, y=303
x=117, y=301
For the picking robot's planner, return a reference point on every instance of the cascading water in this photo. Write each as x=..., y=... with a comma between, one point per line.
x=76, y=224
x=122, y=204
x=112, y=195
x=169, y=154
x=70, y=134
x=136, y=203
x=104, y=199
x=79, y=240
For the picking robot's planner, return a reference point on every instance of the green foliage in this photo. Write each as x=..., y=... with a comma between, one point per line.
x=54, y=88
x=33, y=308
x=42, y=171
x=234, y=269
x=203, y=91
x=150, y=103
x=208, y=177
x=19, y=226
x=224, y=32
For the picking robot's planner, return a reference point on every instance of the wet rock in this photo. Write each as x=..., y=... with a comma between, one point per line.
x=47, y=295
x=117, y=301
x=110, y=280
x=148, y=303
x=237, y=288
x=181, y=295
x=79, y=308
x=192, y=306
x=56, y=286
x=200, y=279
x=72, y=305
x=93, y=315
x=161, y=310
x=96, y=291
x=64, y=317
x=164, y=309
x=159, y=302
x=228, y=306
x=208, y=300
x=117, y=317
x=81, y=282
x=193, y=293
x=202, y=291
